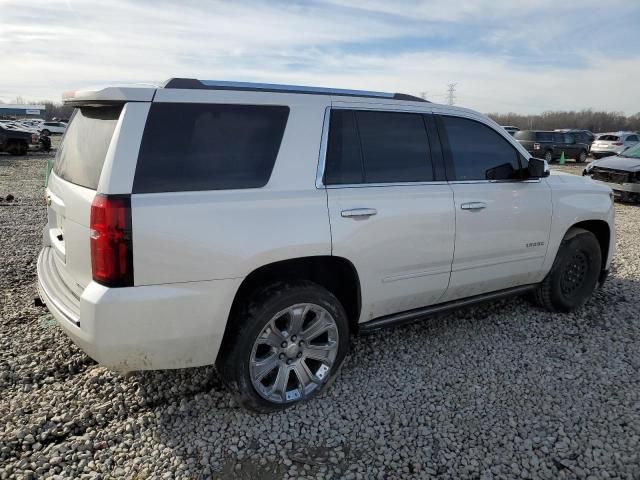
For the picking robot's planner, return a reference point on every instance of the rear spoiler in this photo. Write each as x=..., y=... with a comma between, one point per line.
x=109, y=95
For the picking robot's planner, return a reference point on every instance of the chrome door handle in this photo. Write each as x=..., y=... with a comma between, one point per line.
x=359, y=212
x=473, y=206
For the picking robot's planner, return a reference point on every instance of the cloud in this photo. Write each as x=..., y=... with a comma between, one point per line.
x=504, y=55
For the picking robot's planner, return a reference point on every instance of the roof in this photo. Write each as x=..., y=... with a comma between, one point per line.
x=142, y=93
x=192, y=83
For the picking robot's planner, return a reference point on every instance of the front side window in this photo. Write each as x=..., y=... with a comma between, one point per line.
x=632, y=138
x=377, y=147
x=477, y=152
x=195, y=147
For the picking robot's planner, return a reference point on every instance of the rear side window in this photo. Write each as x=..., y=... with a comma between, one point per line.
x=525, y=135
x=377, y=147
x=83, y=150
x=632, y=138
x=194, y=147
x=478, y=152
x=544, y=136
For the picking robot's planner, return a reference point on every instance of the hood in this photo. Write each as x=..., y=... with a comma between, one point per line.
x=617, y=162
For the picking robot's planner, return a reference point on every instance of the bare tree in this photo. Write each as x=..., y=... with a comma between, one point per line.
x=595, y=121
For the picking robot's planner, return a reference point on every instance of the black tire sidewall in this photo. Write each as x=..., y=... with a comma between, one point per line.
x=588, y=244
x=580, y=158
x=234, y=364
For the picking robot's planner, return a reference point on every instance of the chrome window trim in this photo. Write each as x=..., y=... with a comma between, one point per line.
x=296, y=88
x=322, y=158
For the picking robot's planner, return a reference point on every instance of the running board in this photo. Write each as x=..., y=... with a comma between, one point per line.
x=420, y=313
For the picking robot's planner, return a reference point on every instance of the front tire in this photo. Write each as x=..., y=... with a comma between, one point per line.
x=287, y=343
x=574, y=274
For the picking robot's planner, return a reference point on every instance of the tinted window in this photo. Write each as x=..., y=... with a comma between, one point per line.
x=632, y=138
x=525, y=135
x=569, y=138
x=344, y=158
x=478, y=152
x=83, y=150
x=190, y=147
x=377, y=147
x=609, y=138
x=395, y=147
x=544, y=136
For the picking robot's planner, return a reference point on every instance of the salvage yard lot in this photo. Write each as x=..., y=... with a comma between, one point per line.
x=498, y=391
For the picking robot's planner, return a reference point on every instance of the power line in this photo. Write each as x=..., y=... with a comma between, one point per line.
x=451, y=88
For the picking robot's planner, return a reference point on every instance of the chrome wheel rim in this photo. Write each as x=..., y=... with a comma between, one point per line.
x=294, y=352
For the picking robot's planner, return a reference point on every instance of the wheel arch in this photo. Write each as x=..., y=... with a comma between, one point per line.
x=337, y=274
x=600, y=230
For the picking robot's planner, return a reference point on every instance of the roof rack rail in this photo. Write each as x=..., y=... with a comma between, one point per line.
x=195, y=84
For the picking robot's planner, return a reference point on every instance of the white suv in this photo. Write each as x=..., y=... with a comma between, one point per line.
x=257, y=226
x=607, y=144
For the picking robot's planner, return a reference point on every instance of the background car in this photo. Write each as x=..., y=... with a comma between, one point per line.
x=613, y=143
x=49, y=128
x=550, y=145
x=620, y=172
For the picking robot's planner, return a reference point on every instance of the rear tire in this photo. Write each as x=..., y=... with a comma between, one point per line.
x=574, y=274
x=17, y=147
x=582, y=157
x=548, y=156
x=262, y=372
x=45, y=132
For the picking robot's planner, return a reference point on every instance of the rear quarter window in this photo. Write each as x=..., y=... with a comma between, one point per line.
x=84, y=147
x=524, y=135
x=195, y=147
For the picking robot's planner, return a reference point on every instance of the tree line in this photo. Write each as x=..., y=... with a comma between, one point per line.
x=595, y=121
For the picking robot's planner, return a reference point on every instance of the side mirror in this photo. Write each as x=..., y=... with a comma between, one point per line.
x=537, y=168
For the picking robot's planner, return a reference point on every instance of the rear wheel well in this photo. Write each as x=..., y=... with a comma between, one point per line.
x=601, y=230
x=336, y=274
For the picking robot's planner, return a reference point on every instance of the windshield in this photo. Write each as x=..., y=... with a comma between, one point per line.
x=632, y=152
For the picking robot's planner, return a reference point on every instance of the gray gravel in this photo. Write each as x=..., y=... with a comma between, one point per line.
x=500, y=391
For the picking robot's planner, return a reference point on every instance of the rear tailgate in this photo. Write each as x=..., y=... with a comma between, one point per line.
x=606, y=142
x=71, y=189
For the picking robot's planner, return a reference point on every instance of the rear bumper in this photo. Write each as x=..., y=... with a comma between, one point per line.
x=146, y=327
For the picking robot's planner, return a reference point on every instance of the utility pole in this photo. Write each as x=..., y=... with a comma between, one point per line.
x=452, y=93
x=423, y=95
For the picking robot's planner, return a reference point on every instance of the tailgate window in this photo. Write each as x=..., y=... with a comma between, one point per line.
x=609, y=138
x=83, y=150
x=194, y=147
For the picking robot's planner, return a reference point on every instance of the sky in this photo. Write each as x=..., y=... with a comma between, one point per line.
x=503, y=55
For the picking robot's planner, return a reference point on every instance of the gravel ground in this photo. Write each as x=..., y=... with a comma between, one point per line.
x=499, y=391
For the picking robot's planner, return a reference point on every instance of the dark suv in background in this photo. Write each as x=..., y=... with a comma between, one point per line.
x=550, y=145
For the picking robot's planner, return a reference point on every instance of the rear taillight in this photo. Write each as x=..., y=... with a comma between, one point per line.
x=111, y=244
x=617, y=144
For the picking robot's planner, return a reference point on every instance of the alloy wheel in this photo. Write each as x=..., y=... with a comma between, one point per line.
x=292, y=356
